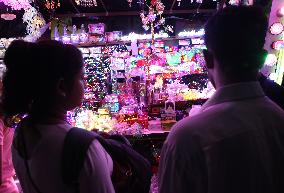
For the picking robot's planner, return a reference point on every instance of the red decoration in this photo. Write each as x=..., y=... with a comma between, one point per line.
x=153, y=2
x=141, y=63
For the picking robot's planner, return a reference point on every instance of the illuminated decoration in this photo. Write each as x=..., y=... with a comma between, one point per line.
x=52, y=4
x=234, y=2
x=280, y=12
x=17, y=4
x=4, y=42
x=8, y=16
x=192, y=33
x=179, y=1
x=74, y=36
x=56, y=34
x=65, y=38
x=280, y=67
x=83, y=35
x=199, y=1
x=154, y=17
x=129, y=2
x=271, y=60
x=273, y=76
x=277, y=45
x=36, y=25
x=86, y=3
x=133, y=36
x=276, y=28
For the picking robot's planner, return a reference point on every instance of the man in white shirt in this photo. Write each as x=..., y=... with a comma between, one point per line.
x=235, y=144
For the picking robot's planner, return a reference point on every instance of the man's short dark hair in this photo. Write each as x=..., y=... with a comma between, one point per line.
x=236, y=35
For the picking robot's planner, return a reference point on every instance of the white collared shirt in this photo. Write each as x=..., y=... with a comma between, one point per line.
x=235, y=144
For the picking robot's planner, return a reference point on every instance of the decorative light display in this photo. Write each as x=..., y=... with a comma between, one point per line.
x=8, y=16
x=133, y=36
x=234, y=2
x=65, y=38
x=273, y=76
x=17, y=4
x=154, y=17
x=192, y=33
x=276, y=28
x=35, y=24
x=75, y=38
x=271, y=60
x=83, y=35
x=280, y=12
x=52, y=4
x=278, y=45
x=87, y=3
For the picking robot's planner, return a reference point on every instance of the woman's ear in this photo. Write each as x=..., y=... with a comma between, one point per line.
x=209, y=59
x=61, y=88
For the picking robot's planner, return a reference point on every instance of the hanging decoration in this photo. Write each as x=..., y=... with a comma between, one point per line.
x=17, y=4
x=154, y=17
x=87, y=3
x=129, y=2
x=35, y=24
x=52, y=4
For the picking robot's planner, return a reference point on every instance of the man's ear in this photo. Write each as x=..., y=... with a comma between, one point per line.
x=209, y=59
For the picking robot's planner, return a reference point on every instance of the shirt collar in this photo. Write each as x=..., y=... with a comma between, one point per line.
x=234, y=92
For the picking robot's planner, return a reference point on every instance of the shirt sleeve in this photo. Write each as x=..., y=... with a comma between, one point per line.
x=182, y=167
x=96, y=174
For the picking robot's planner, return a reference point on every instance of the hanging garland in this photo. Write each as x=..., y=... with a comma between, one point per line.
x=36, y=24
x=17, y=4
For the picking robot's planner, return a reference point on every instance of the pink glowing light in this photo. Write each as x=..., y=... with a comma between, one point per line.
x=16, y=4
x=277, y=45
x=276, y=28
x=280, y=12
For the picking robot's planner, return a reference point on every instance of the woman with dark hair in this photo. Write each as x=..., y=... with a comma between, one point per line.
x=43, y=81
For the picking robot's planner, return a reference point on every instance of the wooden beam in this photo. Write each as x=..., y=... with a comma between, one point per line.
x=174, y=2
x=104, y=7
x=132, y=13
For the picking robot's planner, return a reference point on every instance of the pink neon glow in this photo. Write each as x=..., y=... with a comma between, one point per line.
x=17, y=4
x=276, y=28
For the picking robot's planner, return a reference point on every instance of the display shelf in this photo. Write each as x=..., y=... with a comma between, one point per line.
x=95, y=44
